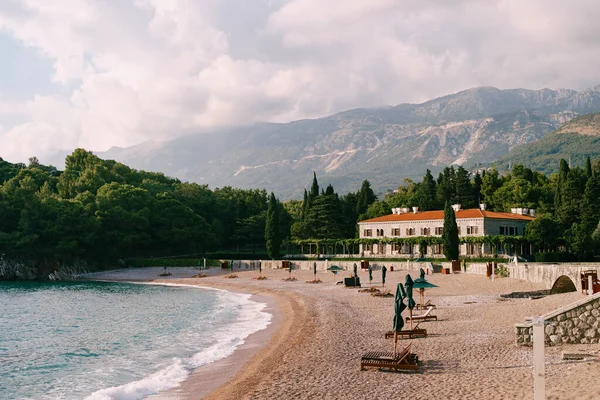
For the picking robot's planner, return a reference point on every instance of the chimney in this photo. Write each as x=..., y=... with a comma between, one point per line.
x=525, y=211
x=532, y=212
x=456, y=207
x=393, y=211
x=482, y=206
x=513, y=210
x=415, y=210
x=405, y=210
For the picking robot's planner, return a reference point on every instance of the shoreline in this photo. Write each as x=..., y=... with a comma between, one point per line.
x=205, y=380
x=236, y=374
x=323, y=329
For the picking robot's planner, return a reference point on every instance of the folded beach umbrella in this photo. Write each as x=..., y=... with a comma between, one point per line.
x=408, y=285
x=315, y=269
x=370, y=275
x=290, y=268
x=399, y=306
x=383, y=271
x=355, y=270
x=260, y=267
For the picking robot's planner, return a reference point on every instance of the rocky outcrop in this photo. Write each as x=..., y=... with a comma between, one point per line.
x=21, y=270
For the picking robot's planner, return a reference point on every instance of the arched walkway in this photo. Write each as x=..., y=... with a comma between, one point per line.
x=563, y=284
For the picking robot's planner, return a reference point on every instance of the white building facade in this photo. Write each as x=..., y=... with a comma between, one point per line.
x=406, y=223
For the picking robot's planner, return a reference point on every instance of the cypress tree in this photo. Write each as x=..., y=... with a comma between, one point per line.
x=304, y=205
x=314, y=189
x=450, y=240
x=563, y=171
x=588, y=167
x=477, y=182
x=272, y=234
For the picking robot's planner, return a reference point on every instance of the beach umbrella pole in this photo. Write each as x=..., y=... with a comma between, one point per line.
x=395, y=342
x=411, y=321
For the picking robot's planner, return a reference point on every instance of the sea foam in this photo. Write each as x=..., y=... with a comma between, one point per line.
x=225, y=339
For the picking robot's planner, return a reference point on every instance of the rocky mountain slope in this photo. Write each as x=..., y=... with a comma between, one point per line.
x=574, y=141
x=384, y=145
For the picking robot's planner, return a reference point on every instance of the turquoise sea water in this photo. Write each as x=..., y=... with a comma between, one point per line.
x=100, y=340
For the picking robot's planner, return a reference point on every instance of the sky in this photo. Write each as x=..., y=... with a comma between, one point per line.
x=103, y=73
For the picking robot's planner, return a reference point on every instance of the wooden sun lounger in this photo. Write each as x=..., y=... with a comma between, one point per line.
x=423, y=317
x=424, y=306
x=410, y=333
x=404, y=361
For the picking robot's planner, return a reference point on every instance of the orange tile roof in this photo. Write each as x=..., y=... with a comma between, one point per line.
x=439, y=215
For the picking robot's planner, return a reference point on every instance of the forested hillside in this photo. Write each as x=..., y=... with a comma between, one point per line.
x=101, y=211
x=575, y=141
x=98, y=212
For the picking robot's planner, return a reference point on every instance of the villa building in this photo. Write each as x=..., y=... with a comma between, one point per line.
x=472, y=222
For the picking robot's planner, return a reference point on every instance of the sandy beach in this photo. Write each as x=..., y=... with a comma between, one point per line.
x=313, y=347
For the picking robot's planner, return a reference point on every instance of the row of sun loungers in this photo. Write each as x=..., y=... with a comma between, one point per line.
x=404, y=360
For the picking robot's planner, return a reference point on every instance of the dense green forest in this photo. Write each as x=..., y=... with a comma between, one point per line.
x=101, y=211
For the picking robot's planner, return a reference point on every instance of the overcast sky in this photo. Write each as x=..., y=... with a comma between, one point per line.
x=102, y=73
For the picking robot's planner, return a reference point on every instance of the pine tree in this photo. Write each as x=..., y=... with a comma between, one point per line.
x=426, y=193
x=365, y=197
x=446, y=188
x=463, y=188
x=450, y=241
x=272, y=234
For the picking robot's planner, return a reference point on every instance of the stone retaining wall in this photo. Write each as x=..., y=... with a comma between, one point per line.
x=322, y=265
x=578, y=322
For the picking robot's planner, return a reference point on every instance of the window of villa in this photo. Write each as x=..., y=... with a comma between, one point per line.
x=379, y=232
x=368, y=232
x=511, y=230
x=396, y=232
x=410, y=231
x=472, y=230
x=471, y=249
x=437, y=248
x=395, y=247
x=368, y=247
x=503, y=230
x=439, y=230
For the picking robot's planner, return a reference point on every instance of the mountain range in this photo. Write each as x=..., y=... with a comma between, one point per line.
x=384, y=145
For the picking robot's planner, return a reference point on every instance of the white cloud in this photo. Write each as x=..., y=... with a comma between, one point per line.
x=134, y=70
